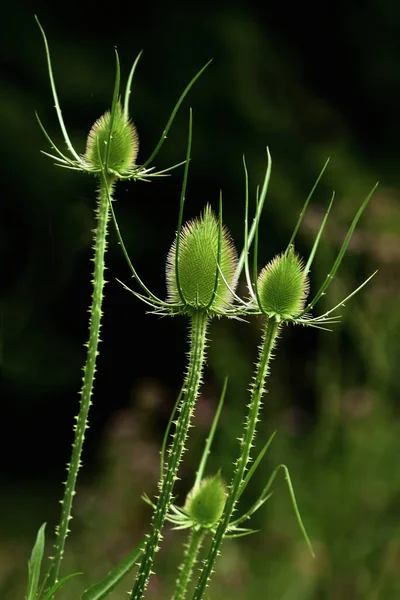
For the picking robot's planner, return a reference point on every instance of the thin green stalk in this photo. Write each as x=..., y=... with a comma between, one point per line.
x=192, y=549
x=258, y=388
x=199, y=322
x=100, y=245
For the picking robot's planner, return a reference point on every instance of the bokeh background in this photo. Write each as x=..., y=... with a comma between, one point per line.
x=310, y=81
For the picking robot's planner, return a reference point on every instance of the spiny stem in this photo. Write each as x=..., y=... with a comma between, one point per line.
x=100, y=244
x=199, y=322
x=193, y=546
x=258, y=388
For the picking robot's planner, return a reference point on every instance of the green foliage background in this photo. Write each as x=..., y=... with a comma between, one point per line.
x=309, y=86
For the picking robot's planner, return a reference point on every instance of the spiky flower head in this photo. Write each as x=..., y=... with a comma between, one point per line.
x=112, y=144
x=283, y=286
x=204, y=274
x=205, y=502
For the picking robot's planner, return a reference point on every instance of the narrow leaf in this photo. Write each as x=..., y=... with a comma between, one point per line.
x=54, y=92
x=340, y=255
x=217, y=270
x=102, y=589
x=129, y=85
x=34, y=564
x=121, y=241
x=296, y=508
x=173, y=115
x=113, y=107
x=249, y=235
x=247, y=515
x=255, y=465
x=265, y=494
x=52, y=144
x=318, y=238
x=181, y=205
x=303, y=210
x=50, y=593
x=210, y=438
x=244, y=533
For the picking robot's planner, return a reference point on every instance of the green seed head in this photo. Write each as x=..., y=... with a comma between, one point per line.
x=205, y=503
x=117, y=152
x=283, y=286
x=197, y=265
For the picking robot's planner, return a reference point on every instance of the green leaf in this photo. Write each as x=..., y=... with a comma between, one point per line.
x=319, y=235
x=339, y=258
x=173, y=115
x=129, y=85
x=101, y=590
x=306, y=203
x=34, y=564
x=209, y=440
x=243, y=533
x=255, y=465
x=249, y=234
x=265, y=495
x=55, y=96
x=50, y=593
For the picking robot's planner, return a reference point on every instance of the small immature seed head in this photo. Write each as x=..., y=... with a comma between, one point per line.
x=197, y=265
x=205, y=503
x=283, y=286
x=115, y=152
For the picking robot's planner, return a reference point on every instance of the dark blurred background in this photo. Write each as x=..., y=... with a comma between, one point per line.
x=310, y=81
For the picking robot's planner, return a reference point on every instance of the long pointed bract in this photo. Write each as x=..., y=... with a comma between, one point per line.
x=318, y=238
x=259, y=207
x=306, y=203
x=113, y=109
x=173, y=115
x=210, y=437
x=181, y=206
x=55, y=96
x=129, y=85
x=340, y=255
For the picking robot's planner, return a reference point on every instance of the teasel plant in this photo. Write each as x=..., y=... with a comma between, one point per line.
x=202, y=271
x=200, y=275
x=111, y=155
x=196, y=290
x=205, y=503
x=278, y=294
x=203, y=506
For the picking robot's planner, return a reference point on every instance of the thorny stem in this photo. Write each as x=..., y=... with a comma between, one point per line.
x=100, y=245
x=258, y=388
x=193, y=546
x=199, y=322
